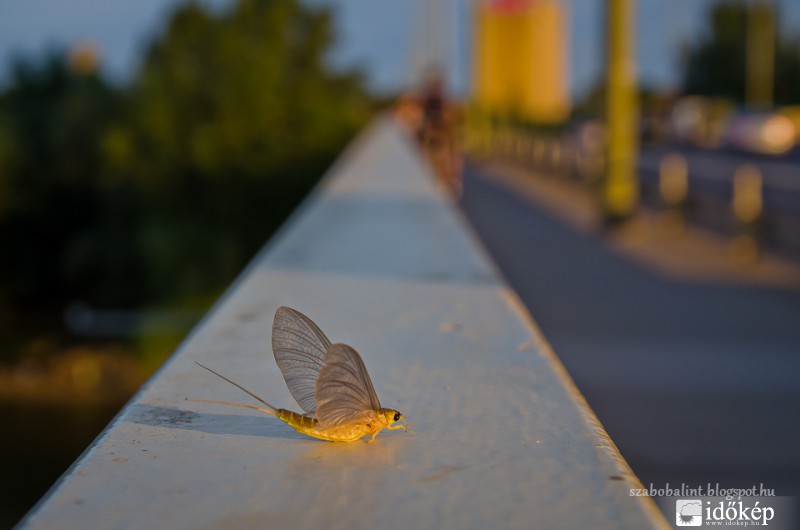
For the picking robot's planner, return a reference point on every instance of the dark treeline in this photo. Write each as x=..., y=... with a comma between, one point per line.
x=715, y=66
x=161, y=190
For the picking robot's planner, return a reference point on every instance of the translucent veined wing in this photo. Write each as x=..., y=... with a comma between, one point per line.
x=299, y=347
x=344, y=390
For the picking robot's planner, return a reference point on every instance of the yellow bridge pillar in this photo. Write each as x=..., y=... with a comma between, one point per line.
x=620, y=192
x=521, y=59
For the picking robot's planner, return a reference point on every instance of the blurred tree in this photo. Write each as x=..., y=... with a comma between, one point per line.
x=148, y=194
x=232, y=119
x=715, y=66
x=52, y=120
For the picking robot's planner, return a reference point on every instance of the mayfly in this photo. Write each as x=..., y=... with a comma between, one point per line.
x=328, y=381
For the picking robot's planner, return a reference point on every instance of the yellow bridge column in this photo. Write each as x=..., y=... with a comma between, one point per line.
x=620, y=191
x=522, y=60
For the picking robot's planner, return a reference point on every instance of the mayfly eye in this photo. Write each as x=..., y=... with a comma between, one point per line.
x=397, y=417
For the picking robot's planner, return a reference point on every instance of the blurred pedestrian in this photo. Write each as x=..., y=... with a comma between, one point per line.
x=438, y=132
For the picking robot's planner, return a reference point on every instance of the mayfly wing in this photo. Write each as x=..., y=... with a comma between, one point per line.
x=299, y=347
x=344, y=390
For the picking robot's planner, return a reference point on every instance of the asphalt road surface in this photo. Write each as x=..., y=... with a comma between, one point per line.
x=696, y=382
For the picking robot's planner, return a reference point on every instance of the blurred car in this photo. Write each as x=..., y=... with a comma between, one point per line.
x=768, y=133
x=700, y=121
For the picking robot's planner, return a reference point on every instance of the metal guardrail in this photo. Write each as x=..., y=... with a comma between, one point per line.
x=381, y=260
x=731, y=197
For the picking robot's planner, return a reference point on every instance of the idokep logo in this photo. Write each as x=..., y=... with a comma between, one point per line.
x=689, y=512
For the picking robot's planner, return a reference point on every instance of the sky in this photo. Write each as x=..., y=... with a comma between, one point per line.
x=383, y=37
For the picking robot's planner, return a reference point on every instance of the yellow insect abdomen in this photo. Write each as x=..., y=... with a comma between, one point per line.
x=308, y=426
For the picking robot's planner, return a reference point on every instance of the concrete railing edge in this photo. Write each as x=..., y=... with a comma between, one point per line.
x=605, y=447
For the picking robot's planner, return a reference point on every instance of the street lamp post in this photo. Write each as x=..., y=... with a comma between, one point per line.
x=760, y=62
x=620, y=190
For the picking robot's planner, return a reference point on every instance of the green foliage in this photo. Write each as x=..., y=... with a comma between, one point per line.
x=715, y=67
x=232, y=119
x=163, y=190
x=52, y=122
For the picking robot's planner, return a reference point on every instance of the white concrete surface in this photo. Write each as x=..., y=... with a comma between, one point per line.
x=382, y=261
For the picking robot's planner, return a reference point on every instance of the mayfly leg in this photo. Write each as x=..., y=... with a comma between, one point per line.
x=402, y=424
